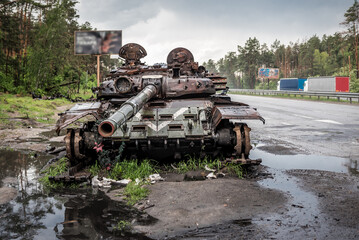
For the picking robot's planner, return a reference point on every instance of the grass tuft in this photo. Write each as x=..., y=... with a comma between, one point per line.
x=193, y=163
x=55, y=169
x=135, y=192
x=132, y=169
x=123, y=225
x=235, y=168
x=42, y=111
x=95, y=169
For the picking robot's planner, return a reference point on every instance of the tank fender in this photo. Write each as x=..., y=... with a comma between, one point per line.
x=234, y=112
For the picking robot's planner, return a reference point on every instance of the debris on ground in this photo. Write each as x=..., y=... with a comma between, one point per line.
x=155, y=178
x=107, y=182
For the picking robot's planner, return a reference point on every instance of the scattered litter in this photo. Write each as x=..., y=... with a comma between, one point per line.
x=209, y=169
x=155, y=178
x=95, y=181
x=220, y=175
x=107, y=182
x=211, y=176
x=137, y=181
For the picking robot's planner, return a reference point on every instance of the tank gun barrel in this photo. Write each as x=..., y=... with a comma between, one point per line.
x=126, y=111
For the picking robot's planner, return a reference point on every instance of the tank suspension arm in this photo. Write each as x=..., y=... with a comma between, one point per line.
x=126, y=111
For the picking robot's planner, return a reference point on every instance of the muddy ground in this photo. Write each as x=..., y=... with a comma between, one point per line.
x=300, y=204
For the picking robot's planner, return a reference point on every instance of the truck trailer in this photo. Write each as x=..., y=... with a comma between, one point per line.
x=327, y=84
x=291, y=84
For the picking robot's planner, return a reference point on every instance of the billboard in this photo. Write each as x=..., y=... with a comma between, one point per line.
x=97, y=42
x=268, y=73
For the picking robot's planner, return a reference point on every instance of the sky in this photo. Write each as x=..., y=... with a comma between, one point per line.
x=209, y=28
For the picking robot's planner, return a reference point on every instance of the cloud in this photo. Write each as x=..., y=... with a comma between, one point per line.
x=210, y=29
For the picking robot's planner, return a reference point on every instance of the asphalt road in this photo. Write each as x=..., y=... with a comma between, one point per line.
x=310, y=127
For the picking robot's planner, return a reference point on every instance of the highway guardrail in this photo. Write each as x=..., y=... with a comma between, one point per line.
x=329, y=95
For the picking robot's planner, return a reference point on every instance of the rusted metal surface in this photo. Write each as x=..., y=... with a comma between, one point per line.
x=132, y=53
x=247, y=143
x=238, y=132
x=243, y=161
x=76, y=178
x=79, y=111
x=234, y=112
x=161, y=112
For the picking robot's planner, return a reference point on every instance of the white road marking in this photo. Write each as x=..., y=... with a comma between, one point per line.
x=329, y=121
x=302, y=116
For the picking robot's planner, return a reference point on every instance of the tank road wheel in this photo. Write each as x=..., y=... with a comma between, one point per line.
x=238, y=147
x=73, y=142
x=247, y=141
x=243, y=146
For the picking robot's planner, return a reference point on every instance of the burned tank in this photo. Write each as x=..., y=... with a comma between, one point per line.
x=162, y=112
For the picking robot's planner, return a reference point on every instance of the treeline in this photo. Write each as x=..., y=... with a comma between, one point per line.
x=37, y=48
x=334, y=55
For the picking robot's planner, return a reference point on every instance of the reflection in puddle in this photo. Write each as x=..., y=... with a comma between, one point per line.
x=79, y=214
x=301, y=161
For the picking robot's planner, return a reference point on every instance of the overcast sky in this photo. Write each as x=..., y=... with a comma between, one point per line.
x=210, y=28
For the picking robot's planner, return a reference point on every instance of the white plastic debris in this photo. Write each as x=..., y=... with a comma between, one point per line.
x=137, y=181
x=211, y=176
x=155, y=178
x=107, y=182
x=209, y=169
x=95, y=181
x=124, y=181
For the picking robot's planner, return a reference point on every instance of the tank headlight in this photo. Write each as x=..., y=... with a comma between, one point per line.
x=123, y=85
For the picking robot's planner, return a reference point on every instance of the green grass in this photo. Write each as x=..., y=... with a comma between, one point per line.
x=193, y=163
x=132, y=169
x=123, y=225
x=135, y=192
x=42, y=111
x=95, y=169
x=55, y=169
x=83, y=94
x=235, y=168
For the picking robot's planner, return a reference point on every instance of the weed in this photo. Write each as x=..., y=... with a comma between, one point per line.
x=135, y=192
x=193, y=163
x=235, y=168
x=95, y=169
x=132, y=169
x=27, y=107
x=123, y=225
x=56, y=169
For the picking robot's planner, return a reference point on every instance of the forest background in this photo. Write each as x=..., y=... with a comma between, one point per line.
x=37, y=52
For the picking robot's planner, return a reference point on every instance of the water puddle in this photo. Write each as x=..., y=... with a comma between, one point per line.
x=302, y=217
x=78, y=214
x=301, y=161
